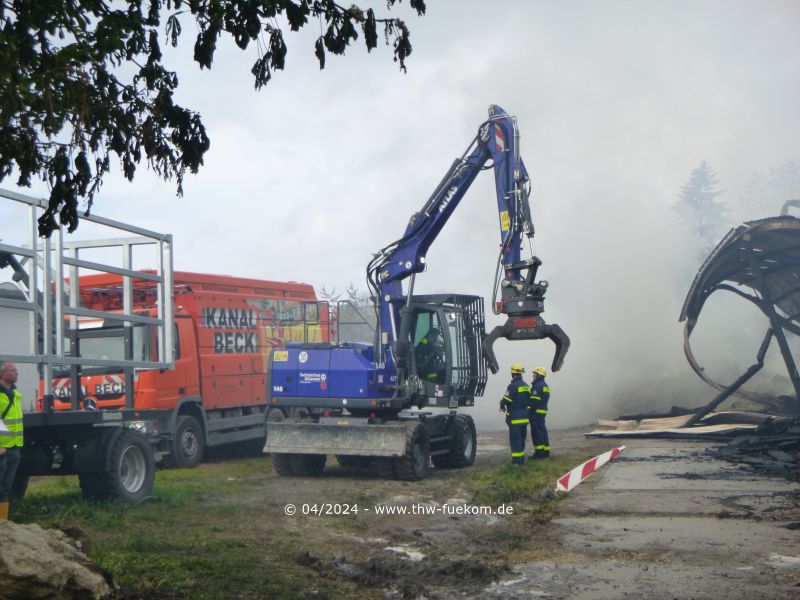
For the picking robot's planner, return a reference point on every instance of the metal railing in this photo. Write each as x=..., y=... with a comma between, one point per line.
x=53, y=281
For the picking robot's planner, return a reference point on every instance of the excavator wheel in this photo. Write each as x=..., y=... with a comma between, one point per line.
x=299, y=464
x=313, y=464
x=413, y=465
x=284, y=465
x=463, y=445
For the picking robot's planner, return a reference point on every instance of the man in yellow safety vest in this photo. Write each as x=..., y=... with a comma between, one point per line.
x=10, y=431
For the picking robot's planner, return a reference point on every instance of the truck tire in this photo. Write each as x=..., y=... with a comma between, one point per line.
x=463, y=445
x=413, y=465
x=186, y=449
x=132, y=471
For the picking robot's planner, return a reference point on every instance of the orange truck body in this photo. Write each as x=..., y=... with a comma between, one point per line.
x=225, y=330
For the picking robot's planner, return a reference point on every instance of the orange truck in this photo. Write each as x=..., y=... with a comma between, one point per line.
x=138, y=366
x=225, y=329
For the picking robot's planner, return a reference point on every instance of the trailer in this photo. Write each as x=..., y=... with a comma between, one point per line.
x=144, y=367
x=110, y=451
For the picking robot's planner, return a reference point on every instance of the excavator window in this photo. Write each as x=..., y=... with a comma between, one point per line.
x=460, y=367
x=355, y=322
x=462, y=370
x=429, y=348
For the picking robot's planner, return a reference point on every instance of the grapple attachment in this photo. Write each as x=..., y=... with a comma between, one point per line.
x=526, y=328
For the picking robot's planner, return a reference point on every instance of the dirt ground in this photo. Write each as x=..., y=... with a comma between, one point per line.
x=645, y=527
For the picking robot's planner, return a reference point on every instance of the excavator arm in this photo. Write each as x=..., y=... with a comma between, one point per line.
x=496, y=146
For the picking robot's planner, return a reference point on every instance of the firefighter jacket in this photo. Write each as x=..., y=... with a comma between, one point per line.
x=517, y=402
x=540, y=395
x=10, y=417
x=430, y=359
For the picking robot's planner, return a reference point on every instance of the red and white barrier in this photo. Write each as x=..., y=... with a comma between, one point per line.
x=581, y=472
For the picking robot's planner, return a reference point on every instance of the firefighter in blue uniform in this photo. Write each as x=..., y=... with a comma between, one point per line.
x=516, y=404
x=540, y=394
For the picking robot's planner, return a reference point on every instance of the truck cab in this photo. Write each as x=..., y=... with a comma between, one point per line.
x=105, y=387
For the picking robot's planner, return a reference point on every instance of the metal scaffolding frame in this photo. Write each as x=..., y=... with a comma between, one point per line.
x=52, y=279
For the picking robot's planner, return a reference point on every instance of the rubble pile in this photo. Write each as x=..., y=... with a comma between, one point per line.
x=46, y=563
x=774, y=447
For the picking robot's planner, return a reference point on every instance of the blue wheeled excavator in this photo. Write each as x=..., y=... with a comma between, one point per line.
x=429, y=350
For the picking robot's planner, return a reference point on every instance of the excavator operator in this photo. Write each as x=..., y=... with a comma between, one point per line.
x=430, y=356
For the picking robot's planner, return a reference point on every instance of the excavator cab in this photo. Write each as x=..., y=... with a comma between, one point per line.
x=445, y=361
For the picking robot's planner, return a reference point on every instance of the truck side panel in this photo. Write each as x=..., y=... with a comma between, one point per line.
x=236, y=334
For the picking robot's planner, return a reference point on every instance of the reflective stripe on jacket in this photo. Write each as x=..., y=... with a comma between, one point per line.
x=11, y=425
x=540, y=395
x=517, y=400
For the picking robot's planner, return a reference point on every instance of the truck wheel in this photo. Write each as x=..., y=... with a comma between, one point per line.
x=463, y=445
x=132, y=471
x=413, y=465
x=186, y=450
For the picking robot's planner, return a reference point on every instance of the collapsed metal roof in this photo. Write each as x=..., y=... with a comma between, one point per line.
x=763, y=255
x=759, y=261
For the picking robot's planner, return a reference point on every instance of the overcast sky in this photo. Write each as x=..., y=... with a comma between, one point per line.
x=617, y=102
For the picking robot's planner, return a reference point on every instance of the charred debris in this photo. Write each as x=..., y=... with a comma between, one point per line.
x=758, y=261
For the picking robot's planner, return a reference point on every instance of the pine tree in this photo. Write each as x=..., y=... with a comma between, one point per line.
x=699, y=209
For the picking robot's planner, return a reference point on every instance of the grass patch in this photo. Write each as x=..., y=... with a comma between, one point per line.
x=529, y=487
x=219, y=530
x=194, y=539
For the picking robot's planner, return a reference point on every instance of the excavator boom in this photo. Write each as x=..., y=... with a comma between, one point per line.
x=495, y=146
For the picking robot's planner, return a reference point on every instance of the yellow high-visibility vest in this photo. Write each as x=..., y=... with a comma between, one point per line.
x=11, y=424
